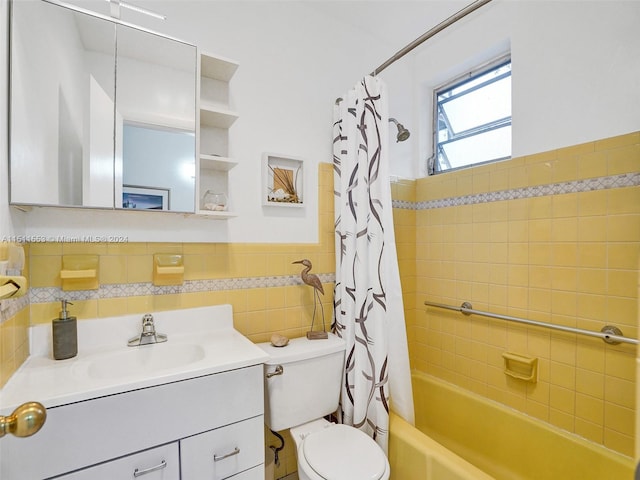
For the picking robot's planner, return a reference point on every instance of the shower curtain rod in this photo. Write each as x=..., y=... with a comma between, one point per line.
x=430, y=33
x=609, y=333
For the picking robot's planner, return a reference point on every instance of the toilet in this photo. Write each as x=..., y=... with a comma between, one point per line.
x=302, y=385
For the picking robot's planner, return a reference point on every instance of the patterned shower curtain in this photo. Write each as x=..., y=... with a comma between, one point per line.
x=368, y=310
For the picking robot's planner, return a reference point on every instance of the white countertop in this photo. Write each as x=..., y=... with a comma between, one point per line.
x=53, y=383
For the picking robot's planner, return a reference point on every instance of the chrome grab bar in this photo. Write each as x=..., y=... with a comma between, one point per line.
x=609, y=333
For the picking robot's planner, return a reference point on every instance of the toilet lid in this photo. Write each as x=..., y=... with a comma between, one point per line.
x=341, y=452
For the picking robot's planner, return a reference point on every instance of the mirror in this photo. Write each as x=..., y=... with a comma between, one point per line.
x=92, y=128
x=62, y=91
x=155, y=121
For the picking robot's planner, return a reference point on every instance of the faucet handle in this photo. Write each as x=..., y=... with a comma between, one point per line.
x=148, y=327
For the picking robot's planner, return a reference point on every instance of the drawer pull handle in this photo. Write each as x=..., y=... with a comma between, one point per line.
x=160, y=466
x=217, y=458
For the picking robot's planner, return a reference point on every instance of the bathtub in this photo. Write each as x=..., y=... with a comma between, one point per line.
x=453, y=424
x=415, y=456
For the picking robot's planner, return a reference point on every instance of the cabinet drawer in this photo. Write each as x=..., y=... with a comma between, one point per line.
x=256, y=473
x=223, y=452
x=160, y=463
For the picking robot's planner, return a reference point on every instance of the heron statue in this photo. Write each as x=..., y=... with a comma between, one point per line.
x=313, y=280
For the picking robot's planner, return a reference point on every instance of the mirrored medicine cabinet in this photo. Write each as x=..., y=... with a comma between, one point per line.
x=102, y=114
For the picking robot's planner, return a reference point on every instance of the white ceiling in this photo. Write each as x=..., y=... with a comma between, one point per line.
x=395, y=23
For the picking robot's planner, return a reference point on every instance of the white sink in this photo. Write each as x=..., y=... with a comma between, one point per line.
x=201, y=341
x=145, y=359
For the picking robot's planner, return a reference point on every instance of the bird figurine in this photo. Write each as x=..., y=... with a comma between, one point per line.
x=313, y=280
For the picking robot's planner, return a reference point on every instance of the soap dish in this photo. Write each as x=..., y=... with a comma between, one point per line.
x=521, y=367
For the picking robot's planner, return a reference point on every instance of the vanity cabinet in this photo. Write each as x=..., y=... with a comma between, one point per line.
x=214, y=421
x=215, y=119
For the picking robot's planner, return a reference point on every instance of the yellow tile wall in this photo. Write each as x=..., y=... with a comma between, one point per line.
x=569, y=259
x=404, y=224
x=14, y=344
x=258, y=312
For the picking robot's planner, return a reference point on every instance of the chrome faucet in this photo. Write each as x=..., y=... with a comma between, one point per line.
x=148, y=334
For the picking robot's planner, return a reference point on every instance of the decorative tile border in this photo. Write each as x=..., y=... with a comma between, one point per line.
x=586, y=185
x=53, y=294
x=11, y=307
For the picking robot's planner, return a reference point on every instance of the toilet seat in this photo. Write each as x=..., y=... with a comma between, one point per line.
x=341, y=452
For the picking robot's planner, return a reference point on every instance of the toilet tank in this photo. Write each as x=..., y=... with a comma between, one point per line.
x=309, y=385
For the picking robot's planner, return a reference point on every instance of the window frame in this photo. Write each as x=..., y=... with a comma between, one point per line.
x=478, y=71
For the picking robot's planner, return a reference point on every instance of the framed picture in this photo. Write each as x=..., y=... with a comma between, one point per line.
x=145, y=198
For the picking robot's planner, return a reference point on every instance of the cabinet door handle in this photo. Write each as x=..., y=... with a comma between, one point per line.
x=160, y=466
x=278, y=371
x=217, y=458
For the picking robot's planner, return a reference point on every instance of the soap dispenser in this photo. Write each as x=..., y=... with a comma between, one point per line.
x=65, y=334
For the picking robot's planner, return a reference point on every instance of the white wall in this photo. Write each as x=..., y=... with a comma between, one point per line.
x=579, y=84
x=293, y=64
x=575, y=73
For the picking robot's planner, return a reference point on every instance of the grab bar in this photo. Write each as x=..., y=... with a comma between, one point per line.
x=609, y=333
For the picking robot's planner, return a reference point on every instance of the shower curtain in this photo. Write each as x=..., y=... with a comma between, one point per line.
x=368, y=310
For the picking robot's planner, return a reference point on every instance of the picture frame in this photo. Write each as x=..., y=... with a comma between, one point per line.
x=145, y=198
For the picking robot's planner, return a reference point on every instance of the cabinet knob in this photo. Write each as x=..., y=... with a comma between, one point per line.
x=25, y=420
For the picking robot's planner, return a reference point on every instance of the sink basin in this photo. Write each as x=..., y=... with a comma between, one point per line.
x=143, y=360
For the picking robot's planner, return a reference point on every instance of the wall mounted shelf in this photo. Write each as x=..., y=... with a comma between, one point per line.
x=216, y=67
x=214, y=162
x=216, y=215
x=216, y=117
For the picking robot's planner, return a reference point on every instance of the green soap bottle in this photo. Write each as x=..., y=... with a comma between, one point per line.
x=65, y=334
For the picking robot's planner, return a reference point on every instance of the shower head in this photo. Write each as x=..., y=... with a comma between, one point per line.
x=403, y=133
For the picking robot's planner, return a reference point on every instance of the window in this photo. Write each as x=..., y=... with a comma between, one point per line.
x=473, y=118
